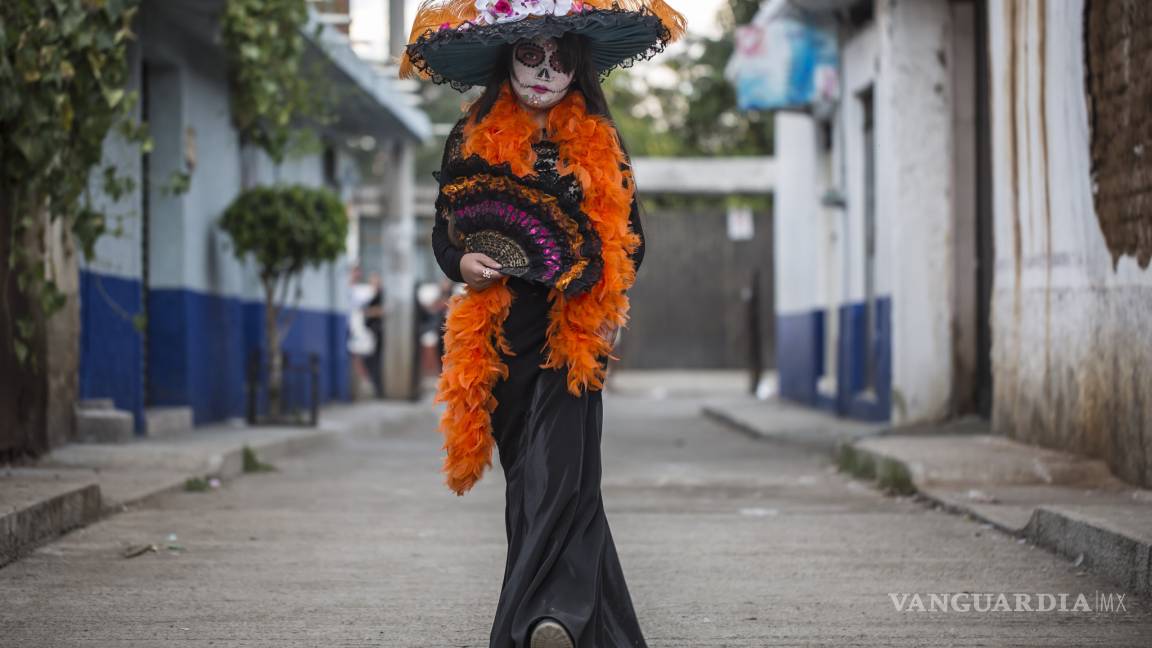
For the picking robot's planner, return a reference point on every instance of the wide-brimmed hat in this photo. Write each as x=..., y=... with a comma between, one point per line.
x=459, y=41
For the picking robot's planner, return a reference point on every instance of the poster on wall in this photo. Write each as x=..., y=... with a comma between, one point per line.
x=785, y=60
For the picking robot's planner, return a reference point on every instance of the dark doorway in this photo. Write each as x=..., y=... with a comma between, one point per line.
x=985, y=248
x=868, y=108
x=145, y=224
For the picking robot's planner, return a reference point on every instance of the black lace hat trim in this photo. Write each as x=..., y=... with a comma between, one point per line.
x=463, y=58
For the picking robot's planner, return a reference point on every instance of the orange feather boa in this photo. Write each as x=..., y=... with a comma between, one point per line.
x=579, y=327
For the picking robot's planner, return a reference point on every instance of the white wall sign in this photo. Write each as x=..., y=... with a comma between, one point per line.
x=741, y=227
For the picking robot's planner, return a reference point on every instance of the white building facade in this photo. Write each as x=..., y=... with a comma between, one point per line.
x=877, y=312
x=169, y=317
x=968, y=228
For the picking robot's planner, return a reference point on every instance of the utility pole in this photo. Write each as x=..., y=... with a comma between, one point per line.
x=397, y=29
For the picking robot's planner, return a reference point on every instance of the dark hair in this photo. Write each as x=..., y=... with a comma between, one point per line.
x=575, y=54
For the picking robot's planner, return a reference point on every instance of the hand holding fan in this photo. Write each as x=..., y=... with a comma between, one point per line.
x=532, y=227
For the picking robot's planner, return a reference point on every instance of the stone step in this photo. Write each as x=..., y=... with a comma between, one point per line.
x=104, y=426
x=96, y=404
x=166, y=421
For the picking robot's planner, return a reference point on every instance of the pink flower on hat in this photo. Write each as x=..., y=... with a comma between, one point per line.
x=490, y=12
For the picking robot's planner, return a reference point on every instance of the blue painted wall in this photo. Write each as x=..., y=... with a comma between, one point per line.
x=196, y=352
x=854, y=398
x=197, y=345
x=311, y=332
x=800, y=354
x=204, y=307
x=111, y=359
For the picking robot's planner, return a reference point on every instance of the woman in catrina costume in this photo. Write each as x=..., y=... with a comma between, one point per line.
x=537, y=213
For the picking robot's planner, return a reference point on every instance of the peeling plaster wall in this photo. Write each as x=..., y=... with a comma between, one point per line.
x=1072, y=332
x=1119, y=50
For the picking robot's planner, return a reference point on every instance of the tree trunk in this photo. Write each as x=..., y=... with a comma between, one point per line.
x=23, y=385
x=62, y=331
x=275, y=357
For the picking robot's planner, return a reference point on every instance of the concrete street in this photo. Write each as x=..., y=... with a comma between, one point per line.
x=725, y=541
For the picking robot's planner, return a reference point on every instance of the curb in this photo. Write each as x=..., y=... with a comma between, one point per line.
x=826, y=444
x=891, y=475
x=1119, y=557
x=230, y=465
x=24, y=530
x=720, y=416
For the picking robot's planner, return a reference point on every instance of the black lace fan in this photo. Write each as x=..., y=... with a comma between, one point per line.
x=531, y=226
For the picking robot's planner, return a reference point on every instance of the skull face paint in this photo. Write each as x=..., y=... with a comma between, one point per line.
x=539, y=77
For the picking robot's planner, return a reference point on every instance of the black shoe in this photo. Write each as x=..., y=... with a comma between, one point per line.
x=550, y=634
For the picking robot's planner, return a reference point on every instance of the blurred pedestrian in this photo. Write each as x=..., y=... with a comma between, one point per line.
x=447, y=289
x=361, y=343
x=433, y=303
x=375, y=312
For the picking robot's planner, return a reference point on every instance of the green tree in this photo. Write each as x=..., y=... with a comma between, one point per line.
x=285, y=229
x=680, y=105
x=684, y=106
x=272, y=91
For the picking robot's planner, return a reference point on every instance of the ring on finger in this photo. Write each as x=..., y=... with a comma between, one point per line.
x=487, y=274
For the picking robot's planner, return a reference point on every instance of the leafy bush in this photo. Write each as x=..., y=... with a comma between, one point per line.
x=285, y=229
x=252, y=463
x=271, y=89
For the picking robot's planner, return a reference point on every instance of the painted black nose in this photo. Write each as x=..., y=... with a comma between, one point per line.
x=544, y=74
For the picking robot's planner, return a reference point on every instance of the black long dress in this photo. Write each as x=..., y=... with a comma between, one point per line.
x=562, y=560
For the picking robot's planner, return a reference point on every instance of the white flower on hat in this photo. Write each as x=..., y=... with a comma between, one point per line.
x=547, y=7
x=492, y=12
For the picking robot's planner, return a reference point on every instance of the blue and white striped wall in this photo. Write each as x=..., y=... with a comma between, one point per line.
x=834, y=347
x=835, y=326
x=204, y=308
x=111, y=293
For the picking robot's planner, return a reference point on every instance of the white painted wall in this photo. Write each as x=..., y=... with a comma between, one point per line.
x=399, y=275
x=117, y=253
x=189, y=251
x=208, y=263
x=721, y=176
x=799, y=232
x=914, y=201
x=860, y=62
x=1072, y=333
x=820, y=251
